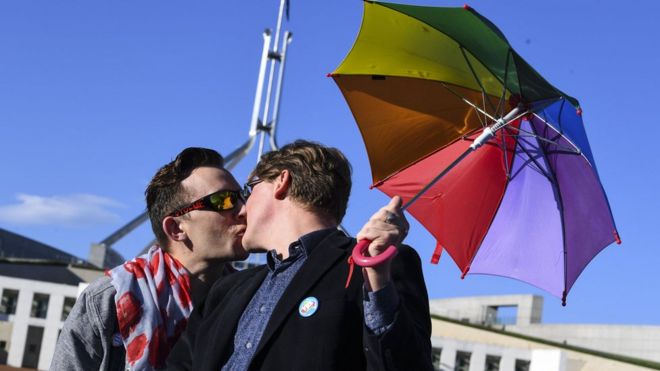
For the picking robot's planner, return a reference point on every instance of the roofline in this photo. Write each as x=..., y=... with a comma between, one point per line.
x=81, y=264
x=611, y=356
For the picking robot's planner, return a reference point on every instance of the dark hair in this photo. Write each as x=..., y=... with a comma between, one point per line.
x=320, y=176
x=165, y=193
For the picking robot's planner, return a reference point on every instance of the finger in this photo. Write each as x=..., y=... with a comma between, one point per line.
x=378, y=229
x=394, y=205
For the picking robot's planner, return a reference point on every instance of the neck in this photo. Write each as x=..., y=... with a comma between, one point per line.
x=294, y=223
x=202, y=274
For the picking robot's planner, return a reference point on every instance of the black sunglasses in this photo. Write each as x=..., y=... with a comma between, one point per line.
x=223, y=200
x=247, y=187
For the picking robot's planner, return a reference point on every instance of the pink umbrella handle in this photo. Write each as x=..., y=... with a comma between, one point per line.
x=371, y=261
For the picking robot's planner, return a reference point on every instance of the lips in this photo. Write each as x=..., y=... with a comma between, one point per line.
x=240, y=231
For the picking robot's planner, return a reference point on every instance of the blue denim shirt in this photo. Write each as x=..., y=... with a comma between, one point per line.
x=379, y=307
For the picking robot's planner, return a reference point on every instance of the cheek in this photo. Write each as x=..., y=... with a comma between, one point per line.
x=250, y=211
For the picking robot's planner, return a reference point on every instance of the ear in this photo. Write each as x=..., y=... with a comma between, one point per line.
x=172, y=229
x=282, y=184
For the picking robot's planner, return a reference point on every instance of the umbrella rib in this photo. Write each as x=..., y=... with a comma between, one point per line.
x=467, y=101
x=507, y=169
x=548, y=141
x=505, y=158
x=574, y=149
x=500, y=109
x=476, y=78
x=482, y=120
x=520, y=85
x=500, y=105
x=560, y=206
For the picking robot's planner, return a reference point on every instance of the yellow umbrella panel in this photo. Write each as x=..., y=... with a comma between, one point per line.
x=402, y=78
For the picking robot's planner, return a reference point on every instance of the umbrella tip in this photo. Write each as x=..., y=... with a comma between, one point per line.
x=617, y=238
x=578, y=111
x=377, y=184
x=435, y=258
x=465, y=271
x=563, y=298
x=466, y=7
x=329, y=74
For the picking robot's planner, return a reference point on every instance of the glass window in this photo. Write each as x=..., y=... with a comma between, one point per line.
x=462, y=361
x=522, y=365
x=68, y=305
x=8, y=302
x=39, y=305
x=492, y=363
x=435, y=357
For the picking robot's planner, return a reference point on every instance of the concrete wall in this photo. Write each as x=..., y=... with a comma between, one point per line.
x=474, y=309
x=479, y=350
x=21, y=320
x=634, y=341
x=460, y=337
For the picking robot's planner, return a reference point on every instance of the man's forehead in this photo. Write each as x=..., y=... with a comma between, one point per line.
x=209, y=179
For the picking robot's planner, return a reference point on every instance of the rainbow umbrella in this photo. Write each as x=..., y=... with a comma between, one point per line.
x=491, y=158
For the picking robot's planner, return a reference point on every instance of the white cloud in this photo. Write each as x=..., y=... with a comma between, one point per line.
x=68, y=210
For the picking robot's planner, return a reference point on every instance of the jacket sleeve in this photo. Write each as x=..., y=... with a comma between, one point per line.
x=407, y=343
x=84, y=343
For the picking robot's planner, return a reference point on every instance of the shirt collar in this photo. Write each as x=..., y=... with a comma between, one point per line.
x=301, y=247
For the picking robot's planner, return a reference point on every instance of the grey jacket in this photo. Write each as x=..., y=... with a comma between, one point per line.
x=86, y=340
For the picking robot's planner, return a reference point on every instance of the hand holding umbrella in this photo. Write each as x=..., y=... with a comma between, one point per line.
x=377, y=238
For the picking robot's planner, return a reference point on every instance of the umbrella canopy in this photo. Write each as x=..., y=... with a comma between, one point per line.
x=423, y=83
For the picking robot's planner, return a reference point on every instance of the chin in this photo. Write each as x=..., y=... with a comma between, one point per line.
x=252, y=247
x=241, y=255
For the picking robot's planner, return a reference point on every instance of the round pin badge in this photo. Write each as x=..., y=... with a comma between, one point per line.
x=308, y=306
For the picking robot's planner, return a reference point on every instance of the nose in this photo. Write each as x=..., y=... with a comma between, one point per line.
x=242, y=210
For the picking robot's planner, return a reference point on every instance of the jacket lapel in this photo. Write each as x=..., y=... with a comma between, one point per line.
x=230, y=310
x=322, y=258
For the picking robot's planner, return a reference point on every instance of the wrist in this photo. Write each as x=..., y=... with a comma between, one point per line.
x=375, y=278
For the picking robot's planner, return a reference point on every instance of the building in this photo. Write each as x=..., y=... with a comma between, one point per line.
x=38, y=286
x=506, y=333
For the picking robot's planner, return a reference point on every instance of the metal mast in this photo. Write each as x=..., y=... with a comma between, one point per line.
x=262, y=123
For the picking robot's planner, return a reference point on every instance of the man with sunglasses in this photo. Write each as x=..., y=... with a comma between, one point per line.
x=309, y=307
x=132, y=318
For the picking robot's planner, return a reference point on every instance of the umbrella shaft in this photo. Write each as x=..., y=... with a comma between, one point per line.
x=488, y=133
x=438, y=177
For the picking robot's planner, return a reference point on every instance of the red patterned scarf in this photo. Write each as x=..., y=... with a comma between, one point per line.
x=153, y=305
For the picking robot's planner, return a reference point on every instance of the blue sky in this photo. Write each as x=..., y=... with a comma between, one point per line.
x=96, y=95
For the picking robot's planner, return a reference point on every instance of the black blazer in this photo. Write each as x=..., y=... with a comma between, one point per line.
x=333, y=338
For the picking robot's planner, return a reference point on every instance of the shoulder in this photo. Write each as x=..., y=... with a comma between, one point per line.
x=100, y=287
x=97, y=304
x=225, y=285
x=406, y=262
x=87, y=331
x=99, y=293
x=408, y=253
